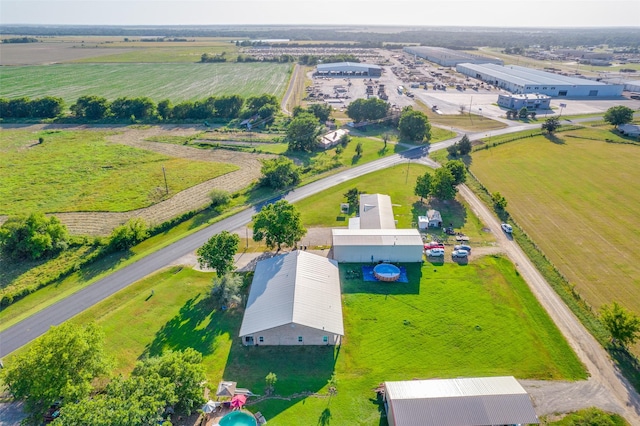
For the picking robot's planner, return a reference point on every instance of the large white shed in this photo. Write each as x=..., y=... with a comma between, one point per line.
x=375, y=245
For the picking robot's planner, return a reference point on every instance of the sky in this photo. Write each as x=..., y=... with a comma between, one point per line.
x=494, y=13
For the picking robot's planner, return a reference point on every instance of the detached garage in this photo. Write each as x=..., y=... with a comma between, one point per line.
x=375, y=245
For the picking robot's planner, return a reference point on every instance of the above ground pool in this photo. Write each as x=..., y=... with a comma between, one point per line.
x=386, y=272
x=238, y=418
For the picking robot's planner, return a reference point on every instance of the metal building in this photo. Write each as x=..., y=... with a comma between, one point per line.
x=531, y=101
x=377, y=245
x=448, y=57
x=517, y=79
x=348, y=69
x=458, y=402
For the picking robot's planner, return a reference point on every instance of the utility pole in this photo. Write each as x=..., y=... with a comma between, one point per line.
x=166, y=187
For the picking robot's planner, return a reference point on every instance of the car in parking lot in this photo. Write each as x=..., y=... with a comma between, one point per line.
x=435, y=252
x=506, y=228
x=463, y=247
x=459, y=253
x=432, y=245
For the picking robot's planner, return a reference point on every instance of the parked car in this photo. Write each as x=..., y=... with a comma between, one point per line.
x=506, y=228
x=435, y=252
x=432, y=245
x=463, y=247
x=459, y=253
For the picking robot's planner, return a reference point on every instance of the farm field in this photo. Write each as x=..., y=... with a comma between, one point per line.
x=577, y=198
x=176, y=52
x=82, y=171
x=174, y=81
x=449, y=321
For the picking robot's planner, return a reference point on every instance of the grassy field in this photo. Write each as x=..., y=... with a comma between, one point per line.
x=174, y=81
x=449, y=321
x=82, y=171
x=469, y=122
x=164, y=52
x=590, y=191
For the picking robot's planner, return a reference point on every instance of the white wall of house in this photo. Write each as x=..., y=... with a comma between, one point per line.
x=391, y=253
x=289, y=335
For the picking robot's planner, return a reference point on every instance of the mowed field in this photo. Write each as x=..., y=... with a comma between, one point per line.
x=579, y=200
x=177, y=82
x=82, y=171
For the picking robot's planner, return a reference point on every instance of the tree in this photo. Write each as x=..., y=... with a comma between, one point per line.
x=464, y=145
x=453, y=150
x=623, y=325
x=353, y=198
x=321, y=111
x=499, y=202
x=523, y=112
x=443, y=184
x=280, y=172
x=165, y=109
x=359, y=149
x=414, y=125
x=254, y=103
x=367, y=109
x=219, y=252
x=32, y=237
x=618, y=115
x=60, y=364
x=458, y=171
x=550, y=125
x=90, y=107
x=228, y=106
x=226, y=289
x=47, y=107
x=344, y=140
x=303, y=132
x=185, y=372
x=278, y=223
x=423, y=185
x=270, y=380
x=128, y=235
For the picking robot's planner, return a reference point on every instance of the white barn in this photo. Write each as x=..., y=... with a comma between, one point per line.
x=294, y=299
x=458, y=402
x=376, y=245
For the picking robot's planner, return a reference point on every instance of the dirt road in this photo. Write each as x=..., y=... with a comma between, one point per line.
x=613, y=391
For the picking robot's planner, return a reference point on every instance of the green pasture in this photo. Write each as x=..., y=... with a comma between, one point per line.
x=448, y=321
x=175, y=81
x=161, y=53
x=576, y=196
x=82, y=171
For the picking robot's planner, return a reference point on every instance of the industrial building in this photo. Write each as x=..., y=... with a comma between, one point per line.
x=531, y=101
x=632, y=86
x=458, y=402
x=294, y=300
x=518, y=79
x=348, y=69
x=448, y=57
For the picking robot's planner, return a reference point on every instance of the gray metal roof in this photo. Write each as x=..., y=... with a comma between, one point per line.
x=376, y=237
x=297, y=287
x=346, y=67
x=527, y=76
x=459, y=402
x=447, y=54
x=376, y=212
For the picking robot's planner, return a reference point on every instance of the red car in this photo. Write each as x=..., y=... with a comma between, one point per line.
x=432, y=245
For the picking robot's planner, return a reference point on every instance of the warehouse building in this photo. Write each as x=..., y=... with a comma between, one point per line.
x=632, y=86
x=518, y=79
x=531, y=101
x=348, y=69
x=448, y=57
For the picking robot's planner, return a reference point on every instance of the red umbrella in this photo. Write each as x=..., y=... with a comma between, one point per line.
x=238, y=401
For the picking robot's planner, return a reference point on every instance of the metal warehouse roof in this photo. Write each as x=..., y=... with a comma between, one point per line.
x=444, y=53
x=297, y=287
x=376, y=212
x=527, y=76
x=459, y=402
x=346, y=66
x=376, y=237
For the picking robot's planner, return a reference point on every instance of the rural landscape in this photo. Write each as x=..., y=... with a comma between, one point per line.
x=238, y=225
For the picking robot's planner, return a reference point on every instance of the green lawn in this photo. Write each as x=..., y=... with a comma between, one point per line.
x=577, y=197
x=174, y=81
x=449, y=321
x=82, y=171
x=159, y=53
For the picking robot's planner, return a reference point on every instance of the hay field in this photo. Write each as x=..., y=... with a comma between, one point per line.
x=578, y=198
x=177, y=82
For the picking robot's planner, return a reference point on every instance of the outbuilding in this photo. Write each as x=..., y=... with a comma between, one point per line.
x=485, y=401
x=348, y=69
x=377, y=245
x=294, y=300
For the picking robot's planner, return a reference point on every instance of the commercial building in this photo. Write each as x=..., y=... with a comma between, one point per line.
x=531, y=101
x=294, y=300
x=448, y=57
x=458, y=402
x=632, y=86
x=348, y=69
x=518, y=79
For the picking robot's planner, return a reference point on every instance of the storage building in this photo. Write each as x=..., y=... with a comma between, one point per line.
x=377, y=245
x=458, y=402
x=632, y=86
x=518, y=79
x=348, y=69
x=448, y=57
x=294, y=300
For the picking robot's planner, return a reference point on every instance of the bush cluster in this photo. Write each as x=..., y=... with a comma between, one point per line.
x=46, y=107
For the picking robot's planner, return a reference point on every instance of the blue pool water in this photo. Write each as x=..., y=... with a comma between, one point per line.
x=238, y=418
x=386, y=272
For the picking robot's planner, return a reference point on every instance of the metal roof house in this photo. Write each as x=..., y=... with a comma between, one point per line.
x=485, y=401
x=294, y=300
x=377, y=245
x=348, y=69
x=448, y=57
x=518, y=79
x=375, y=212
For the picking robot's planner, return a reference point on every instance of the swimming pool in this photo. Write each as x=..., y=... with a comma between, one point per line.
x=238, y=418
x=386, y=272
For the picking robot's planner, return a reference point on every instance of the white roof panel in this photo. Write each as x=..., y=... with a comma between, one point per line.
x=376, y=212
x=528, y=76
x=381, y=237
